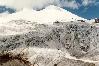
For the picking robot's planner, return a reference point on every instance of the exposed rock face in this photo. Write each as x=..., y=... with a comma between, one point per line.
x=78, y=39
x=13, y=63
x=41, y=59
x=7, y=59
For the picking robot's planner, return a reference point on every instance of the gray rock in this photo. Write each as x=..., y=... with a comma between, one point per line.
x=77, y=38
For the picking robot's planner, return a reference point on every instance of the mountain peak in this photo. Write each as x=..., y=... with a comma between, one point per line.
x=53, y=7
x=46, y=16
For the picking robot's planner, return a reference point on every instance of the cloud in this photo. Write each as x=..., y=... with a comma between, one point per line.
x=88, y=2
x=97, y=3
x=38, y=4
x=71, y=4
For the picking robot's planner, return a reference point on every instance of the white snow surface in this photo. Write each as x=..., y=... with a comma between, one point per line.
x=48, y=15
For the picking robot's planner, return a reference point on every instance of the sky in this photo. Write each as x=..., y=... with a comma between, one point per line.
x=88, y=9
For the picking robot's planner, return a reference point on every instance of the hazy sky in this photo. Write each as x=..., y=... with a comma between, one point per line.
x=84, y=8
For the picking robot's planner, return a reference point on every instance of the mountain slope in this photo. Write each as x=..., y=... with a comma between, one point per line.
x=55, y=44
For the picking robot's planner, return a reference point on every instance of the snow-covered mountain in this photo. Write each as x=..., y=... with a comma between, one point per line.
x=9, y=26
x=49, y=37
x=48, y=15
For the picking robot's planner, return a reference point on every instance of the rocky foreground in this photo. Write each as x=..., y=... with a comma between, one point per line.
x=60, y=44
